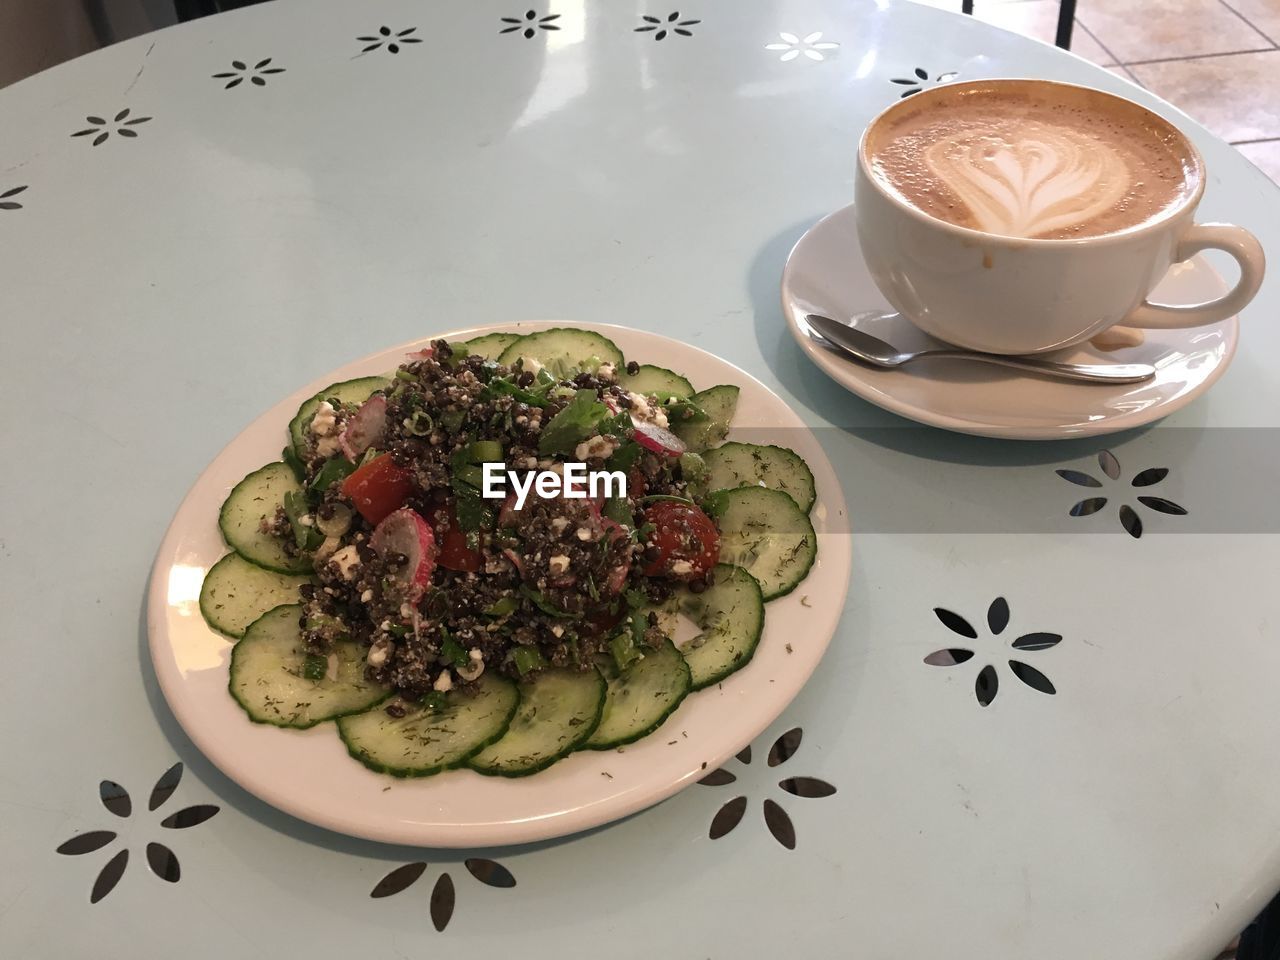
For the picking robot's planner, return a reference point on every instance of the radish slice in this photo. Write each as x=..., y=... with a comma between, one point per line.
x=618, y=575
x=657, y=439
x=366, y=428
x=424, y=354
x=515, y=561
x=406, y=532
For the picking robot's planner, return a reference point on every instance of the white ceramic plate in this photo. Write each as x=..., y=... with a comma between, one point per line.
x=309, y=774
x=825, y=274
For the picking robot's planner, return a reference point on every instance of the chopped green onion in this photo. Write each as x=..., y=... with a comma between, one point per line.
x=315, y=667
x=501, y=607
x=420, y=424
x=484, y=451
x=623, y=649
x=452, y=420
x=405, y=375
x=527, y=659
x=295, y=508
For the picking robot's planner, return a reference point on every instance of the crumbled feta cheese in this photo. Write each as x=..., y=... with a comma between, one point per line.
x=557, y=630
x=406, y=612
x=444, y=682
x=607, y=371
x=584, y=533
x=328, y=446
x=558, y=564
x=642, y=409
x=307, y=520
x=530, y=463
x=385, y=625
x=474, y=654
x=366, y=597
x=559, y=524
x=597, y=447
x=682, y=568
x=530, y=365
x=347, y=559
x=325, y=421
x=378, y=654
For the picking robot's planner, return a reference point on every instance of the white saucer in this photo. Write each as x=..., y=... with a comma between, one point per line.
x=825, y=274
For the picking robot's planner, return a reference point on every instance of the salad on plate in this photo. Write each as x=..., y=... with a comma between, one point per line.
x=506, y=550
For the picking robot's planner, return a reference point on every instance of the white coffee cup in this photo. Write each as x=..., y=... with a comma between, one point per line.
x=1012, y=295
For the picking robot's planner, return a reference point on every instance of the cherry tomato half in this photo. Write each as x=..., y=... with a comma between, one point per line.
x=686, y=540
x=379, y=488
x=452, y=540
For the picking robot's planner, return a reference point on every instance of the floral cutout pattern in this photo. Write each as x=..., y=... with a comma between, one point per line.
x=529, y=25
x=920, y=79
x=6, y=198
x=101, y=129
x=792, y=46
x=240, y=71
x=672, y=24
x=392, y=42
x=1129, y=517
x=443, y=896
x=162, y=861
x=775, y=817
x=987, y=683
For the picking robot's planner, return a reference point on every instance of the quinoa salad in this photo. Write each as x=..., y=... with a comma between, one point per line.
x=399, y=570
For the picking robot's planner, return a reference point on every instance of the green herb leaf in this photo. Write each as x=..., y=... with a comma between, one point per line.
x=334, y=471
x=576, y=422
x=545, y=605
x=453, y=652
x=434, y=700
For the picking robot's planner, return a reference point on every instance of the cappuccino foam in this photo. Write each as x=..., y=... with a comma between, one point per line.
x=1034, y=161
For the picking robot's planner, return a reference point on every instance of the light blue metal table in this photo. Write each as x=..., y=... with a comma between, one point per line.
x=195, y=221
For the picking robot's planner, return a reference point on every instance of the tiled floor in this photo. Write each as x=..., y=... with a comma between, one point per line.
x=1219, y=60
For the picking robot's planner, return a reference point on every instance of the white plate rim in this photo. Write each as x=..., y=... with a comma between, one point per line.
x=166, y=620
x=846, y=374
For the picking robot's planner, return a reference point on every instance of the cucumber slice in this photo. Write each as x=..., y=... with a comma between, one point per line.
x=267, y=675
x=650, y=380
x=763, y=531
x=428, y=741
x=563, y=350
x=490, y=345
x=253, y=498
x=559, y=709
x=751, y=464
x=719, y=404
x=639, y=700
x=729, y=616
x=236, y=592
x=348, y=391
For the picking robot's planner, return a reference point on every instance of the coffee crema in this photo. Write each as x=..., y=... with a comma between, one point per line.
x=1037, y=162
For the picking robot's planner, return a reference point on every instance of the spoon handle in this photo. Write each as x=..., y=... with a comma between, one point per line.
x=1088, y=372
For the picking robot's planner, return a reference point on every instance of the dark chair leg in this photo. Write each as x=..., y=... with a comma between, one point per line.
x=1066, y=21
x=966, y=6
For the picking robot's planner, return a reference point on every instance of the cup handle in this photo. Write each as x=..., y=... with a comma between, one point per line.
x=1238, y=242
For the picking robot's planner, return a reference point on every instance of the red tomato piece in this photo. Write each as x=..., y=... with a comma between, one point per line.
x=451, y=540
x=686, y=539
x=378, y=488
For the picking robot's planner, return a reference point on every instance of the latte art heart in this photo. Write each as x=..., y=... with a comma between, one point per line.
x=1047, y=182
x=1043, y=162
